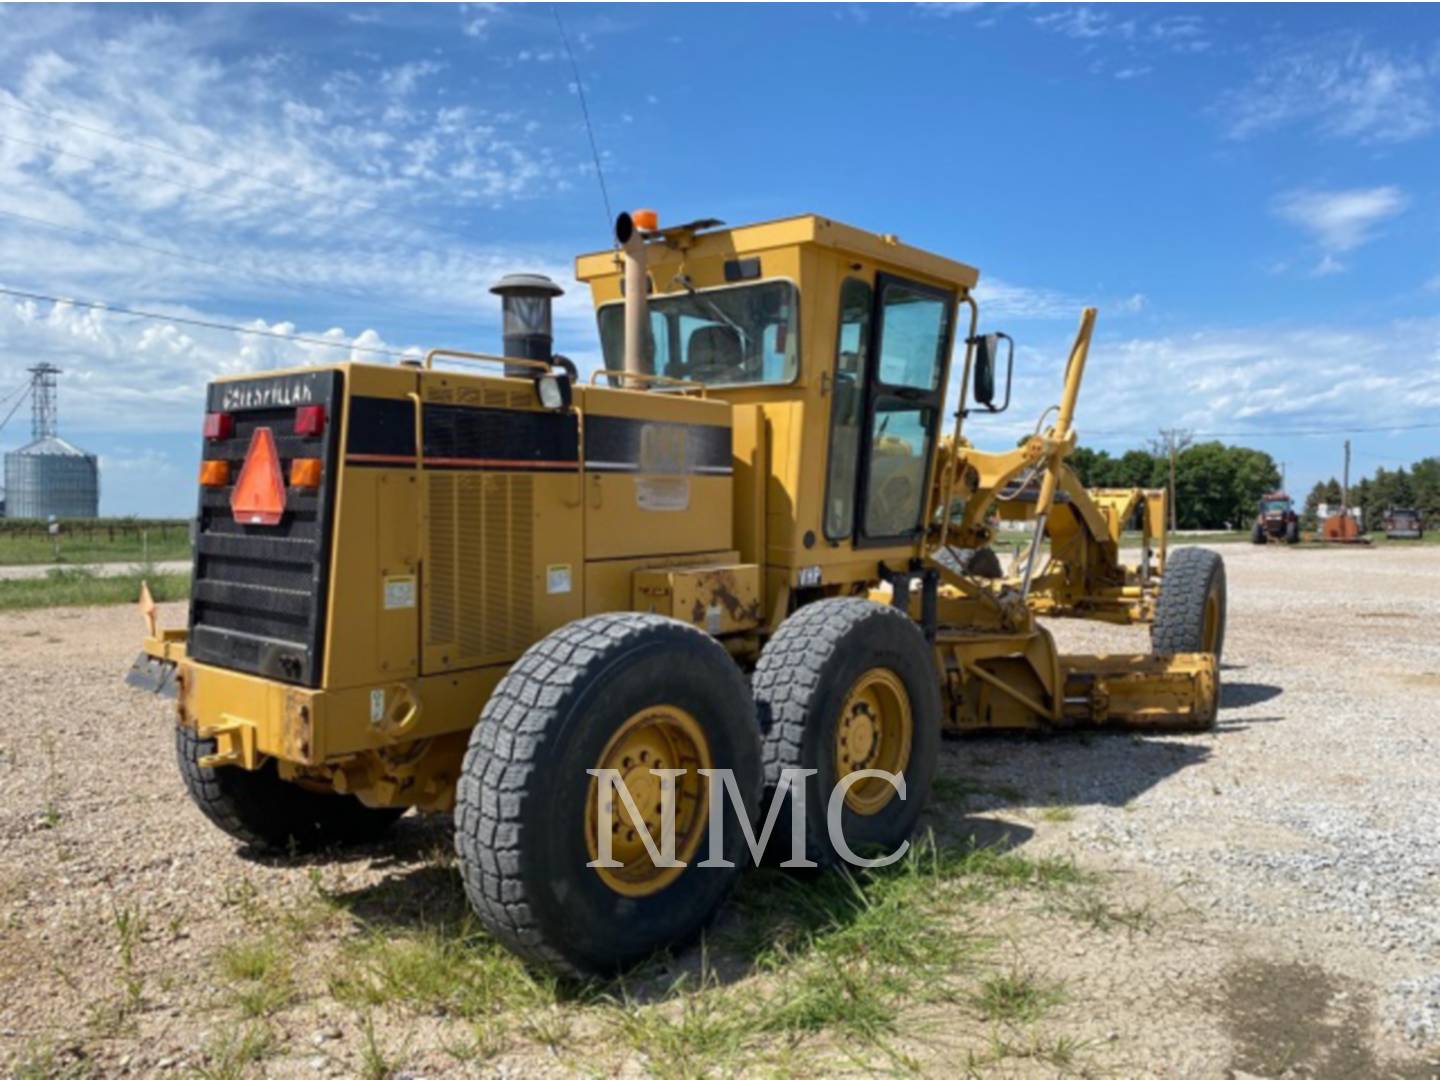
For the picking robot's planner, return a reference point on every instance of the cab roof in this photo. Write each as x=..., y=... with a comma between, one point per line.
x=793, y=232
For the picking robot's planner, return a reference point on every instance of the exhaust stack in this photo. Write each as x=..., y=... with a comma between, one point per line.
x=637, y=287
x=526, y=301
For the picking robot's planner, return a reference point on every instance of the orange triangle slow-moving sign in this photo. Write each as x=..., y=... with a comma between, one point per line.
x=259, y=494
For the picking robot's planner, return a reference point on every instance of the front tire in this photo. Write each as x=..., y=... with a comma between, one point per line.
x=626, y=691
x=1190, y=613
x=847, y=684
x=1257, y=534
x=263, y=811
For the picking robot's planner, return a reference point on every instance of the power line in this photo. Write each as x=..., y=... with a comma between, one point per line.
x=113, y=239
x=585, y=112
x=14, y=409
x=209, y=193
x=258, y=277
x=207, y=324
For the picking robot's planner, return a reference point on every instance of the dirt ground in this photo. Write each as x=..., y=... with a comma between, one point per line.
x=1269, y=906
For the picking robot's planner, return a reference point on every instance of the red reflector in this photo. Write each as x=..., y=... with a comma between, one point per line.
x=310, y=420
x=259, y=494
x=219, y=425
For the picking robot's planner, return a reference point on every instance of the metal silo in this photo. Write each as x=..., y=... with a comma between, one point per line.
x=50, y=476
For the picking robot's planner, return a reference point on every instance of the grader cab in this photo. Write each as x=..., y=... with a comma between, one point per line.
x=727, y=592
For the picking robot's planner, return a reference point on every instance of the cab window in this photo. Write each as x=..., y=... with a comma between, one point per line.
x=720, y=337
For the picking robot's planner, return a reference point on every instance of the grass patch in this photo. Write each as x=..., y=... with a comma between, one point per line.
x=231, y=1052
x=44, y=1062
x=834, y=954
x=80, y=587
x=260, y=975
x=1057, y=813
x=1013, y=997
x=457, y=971
x=94, y=544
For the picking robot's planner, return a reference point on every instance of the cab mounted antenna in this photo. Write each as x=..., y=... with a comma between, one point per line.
x=585, y=112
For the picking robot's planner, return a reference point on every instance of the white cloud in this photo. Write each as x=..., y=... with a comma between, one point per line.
x=1259, y=379
x=1133, y=72
x=404, y=78
x=945, y=10
x=1341, y=221
x=1172, y=33
x=1343, y=88
x=475, y=19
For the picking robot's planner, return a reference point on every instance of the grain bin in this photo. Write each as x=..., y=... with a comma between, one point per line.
x=50, y=476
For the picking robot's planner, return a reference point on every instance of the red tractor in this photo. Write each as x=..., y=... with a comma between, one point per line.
x=1277, y=521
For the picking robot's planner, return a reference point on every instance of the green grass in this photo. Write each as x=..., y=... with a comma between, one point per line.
x=26, y=543
x=79, y=587
x=1013, y=996
x=259, y=973
x=805, y=973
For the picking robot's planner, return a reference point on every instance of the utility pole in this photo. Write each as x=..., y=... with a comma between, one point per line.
x=1171, y=442
x=1345, y=483
x=1282, y=476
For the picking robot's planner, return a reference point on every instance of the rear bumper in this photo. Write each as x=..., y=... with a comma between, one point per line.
x=252, y=718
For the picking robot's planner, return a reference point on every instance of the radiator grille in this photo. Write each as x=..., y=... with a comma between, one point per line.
x=480, y=565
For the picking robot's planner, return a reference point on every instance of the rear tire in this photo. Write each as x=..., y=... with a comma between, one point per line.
x=805, y=689
x=523, y=828
x=1190, y=613
x=263, y=811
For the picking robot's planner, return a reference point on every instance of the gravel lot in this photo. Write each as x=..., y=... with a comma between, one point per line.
x=1276, y=882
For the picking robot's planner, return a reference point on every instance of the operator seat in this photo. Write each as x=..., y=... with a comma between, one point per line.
x=715, y=355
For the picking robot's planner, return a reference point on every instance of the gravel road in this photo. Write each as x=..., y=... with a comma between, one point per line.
x=1291, y=857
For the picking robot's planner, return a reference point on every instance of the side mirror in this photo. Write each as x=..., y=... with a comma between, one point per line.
x=987, y=353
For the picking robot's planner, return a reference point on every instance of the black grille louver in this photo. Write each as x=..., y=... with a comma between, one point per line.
x=257, y=601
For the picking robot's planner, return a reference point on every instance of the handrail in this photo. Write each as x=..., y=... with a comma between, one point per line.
x=645, y=376
x=485, y=358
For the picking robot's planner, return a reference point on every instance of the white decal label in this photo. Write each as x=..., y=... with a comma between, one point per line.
x=557, y=578
x=377, y=706
x=399, y=592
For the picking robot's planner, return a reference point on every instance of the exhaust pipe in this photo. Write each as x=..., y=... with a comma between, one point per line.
x=637, y=300
x=525, y=306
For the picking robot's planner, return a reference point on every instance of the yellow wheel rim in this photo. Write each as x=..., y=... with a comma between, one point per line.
x=660, y=737
x=874, y=732
x=1211, y=632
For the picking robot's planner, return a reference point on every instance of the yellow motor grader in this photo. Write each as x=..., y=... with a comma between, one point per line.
x=744, y=555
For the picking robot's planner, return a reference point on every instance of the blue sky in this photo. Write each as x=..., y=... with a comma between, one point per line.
x=1249, y=194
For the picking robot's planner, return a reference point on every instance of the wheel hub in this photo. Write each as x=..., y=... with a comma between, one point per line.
x=659, y=738
x=874, y=731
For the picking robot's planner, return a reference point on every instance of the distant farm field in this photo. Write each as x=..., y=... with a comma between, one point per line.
x=26, y=542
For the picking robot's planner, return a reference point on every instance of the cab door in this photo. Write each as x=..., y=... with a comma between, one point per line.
x=904, y=397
